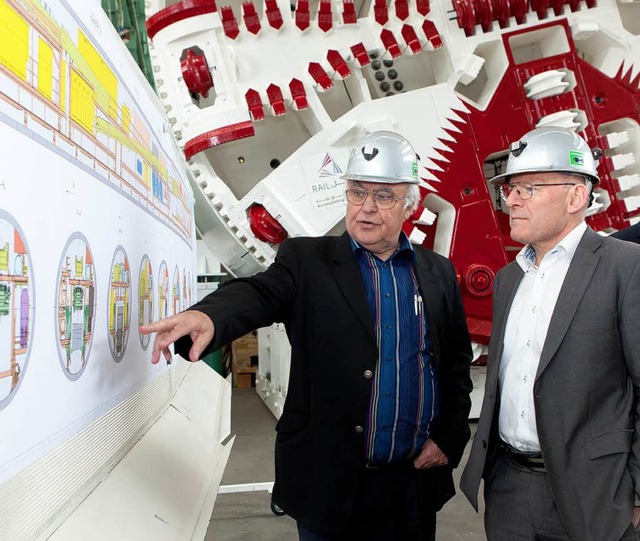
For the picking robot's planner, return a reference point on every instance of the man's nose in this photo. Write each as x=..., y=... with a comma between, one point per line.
x=514, y=198
x=369, y=204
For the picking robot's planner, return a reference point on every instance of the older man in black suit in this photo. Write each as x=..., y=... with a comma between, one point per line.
x=375, y=417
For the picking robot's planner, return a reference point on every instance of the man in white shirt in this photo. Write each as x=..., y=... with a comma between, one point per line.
x=558, y=439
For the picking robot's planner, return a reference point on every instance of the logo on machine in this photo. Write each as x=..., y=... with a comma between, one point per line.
x=328, y=188
x=329, y=167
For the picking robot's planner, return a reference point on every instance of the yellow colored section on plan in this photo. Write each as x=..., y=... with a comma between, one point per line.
x=45, y=68
x=83, y=104
x=14, y=40
x=107, y=95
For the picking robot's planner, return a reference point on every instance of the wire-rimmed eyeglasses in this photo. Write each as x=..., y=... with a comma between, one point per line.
x=382, y=200
x=525, y=190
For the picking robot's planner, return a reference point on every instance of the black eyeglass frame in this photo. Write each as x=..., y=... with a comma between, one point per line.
x=527, y=188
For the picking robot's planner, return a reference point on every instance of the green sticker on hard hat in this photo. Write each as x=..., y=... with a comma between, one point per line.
x=576, y=158
x=414, y=170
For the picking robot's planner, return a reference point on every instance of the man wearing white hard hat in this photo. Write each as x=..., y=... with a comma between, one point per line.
x=558, y=439
x=375, y=417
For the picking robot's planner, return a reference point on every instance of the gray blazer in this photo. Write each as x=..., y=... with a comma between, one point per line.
x=587, y=389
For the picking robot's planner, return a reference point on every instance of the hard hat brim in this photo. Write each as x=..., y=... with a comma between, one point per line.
x=504, y=177
x=381, y=180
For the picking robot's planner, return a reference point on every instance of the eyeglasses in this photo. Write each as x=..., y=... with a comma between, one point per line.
x=382, y=200
x=525, y=189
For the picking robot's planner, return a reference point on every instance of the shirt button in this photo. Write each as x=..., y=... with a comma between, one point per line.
x=359, y=429
x=385, y=265
x=522, y=415
x=388, y=394
x=387, y=295
x=388, y=327
x=368, y=374
x=389, y=359
x=533, y=309
x=528, y=343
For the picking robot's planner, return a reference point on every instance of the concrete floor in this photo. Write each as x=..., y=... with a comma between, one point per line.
x=247, y=516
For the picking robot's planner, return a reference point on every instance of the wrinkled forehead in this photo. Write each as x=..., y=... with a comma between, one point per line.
x=399, y=188
x=544, y=178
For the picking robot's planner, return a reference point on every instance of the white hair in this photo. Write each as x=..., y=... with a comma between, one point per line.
x=412, y=199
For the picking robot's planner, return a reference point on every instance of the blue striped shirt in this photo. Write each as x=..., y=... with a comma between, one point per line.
x=404, y=397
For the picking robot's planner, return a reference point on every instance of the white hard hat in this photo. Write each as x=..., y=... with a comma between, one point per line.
x=383, y=156
x=549, y=150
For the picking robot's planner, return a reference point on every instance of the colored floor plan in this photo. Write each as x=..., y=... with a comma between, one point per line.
x=119, y=304
x=164, y=307
x=16, y=307
x=145, y=298
x=57, y=86
x=76, y=306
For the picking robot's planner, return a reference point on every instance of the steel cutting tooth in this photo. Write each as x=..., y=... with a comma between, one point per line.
x=564, y=119
x=417, y=236
x=632, y=203
x=617, y=139
x=546, y=84
x=622, y=161
x=426, y=218
x=628, y=182
x=208, y=191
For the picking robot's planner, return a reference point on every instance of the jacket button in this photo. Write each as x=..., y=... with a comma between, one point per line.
x=368, y=374
x=359, y=429
x=484, y=443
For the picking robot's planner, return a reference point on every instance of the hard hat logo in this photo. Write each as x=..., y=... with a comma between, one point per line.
x=383, y=156
x=517, y=148
x=576, y=158
x=550, y=149
x=369, y=152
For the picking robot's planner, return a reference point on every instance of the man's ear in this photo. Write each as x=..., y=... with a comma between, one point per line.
x=578, y=200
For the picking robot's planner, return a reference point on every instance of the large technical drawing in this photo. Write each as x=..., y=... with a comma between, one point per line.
x=94, y=197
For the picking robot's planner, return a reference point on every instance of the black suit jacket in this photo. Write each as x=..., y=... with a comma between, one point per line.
x=315, y=288
x=631, y=233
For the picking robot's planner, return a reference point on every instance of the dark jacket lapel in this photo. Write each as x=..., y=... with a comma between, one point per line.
x=345, y=270
x=431, y=296
x=575, y=284
x=510, y=279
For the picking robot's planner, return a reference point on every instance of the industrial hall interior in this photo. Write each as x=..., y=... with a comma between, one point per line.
x=324, y=270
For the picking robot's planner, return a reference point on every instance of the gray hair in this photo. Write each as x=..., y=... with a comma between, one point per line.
x=588, y=182
x=412, y=199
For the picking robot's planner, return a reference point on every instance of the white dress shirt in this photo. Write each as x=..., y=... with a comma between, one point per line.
x=524, y=337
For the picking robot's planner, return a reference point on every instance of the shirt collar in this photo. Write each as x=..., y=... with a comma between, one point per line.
x=403, y=247
x=567, y=246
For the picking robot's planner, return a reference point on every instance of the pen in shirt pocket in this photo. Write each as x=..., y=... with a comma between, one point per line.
x=417, y=304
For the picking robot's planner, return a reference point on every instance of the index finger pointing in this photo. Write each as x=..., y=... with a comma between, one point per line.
x=157, y=326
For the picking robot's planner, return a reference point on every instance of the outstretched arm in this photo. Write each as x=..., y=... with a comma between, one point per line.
x=197, y=325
